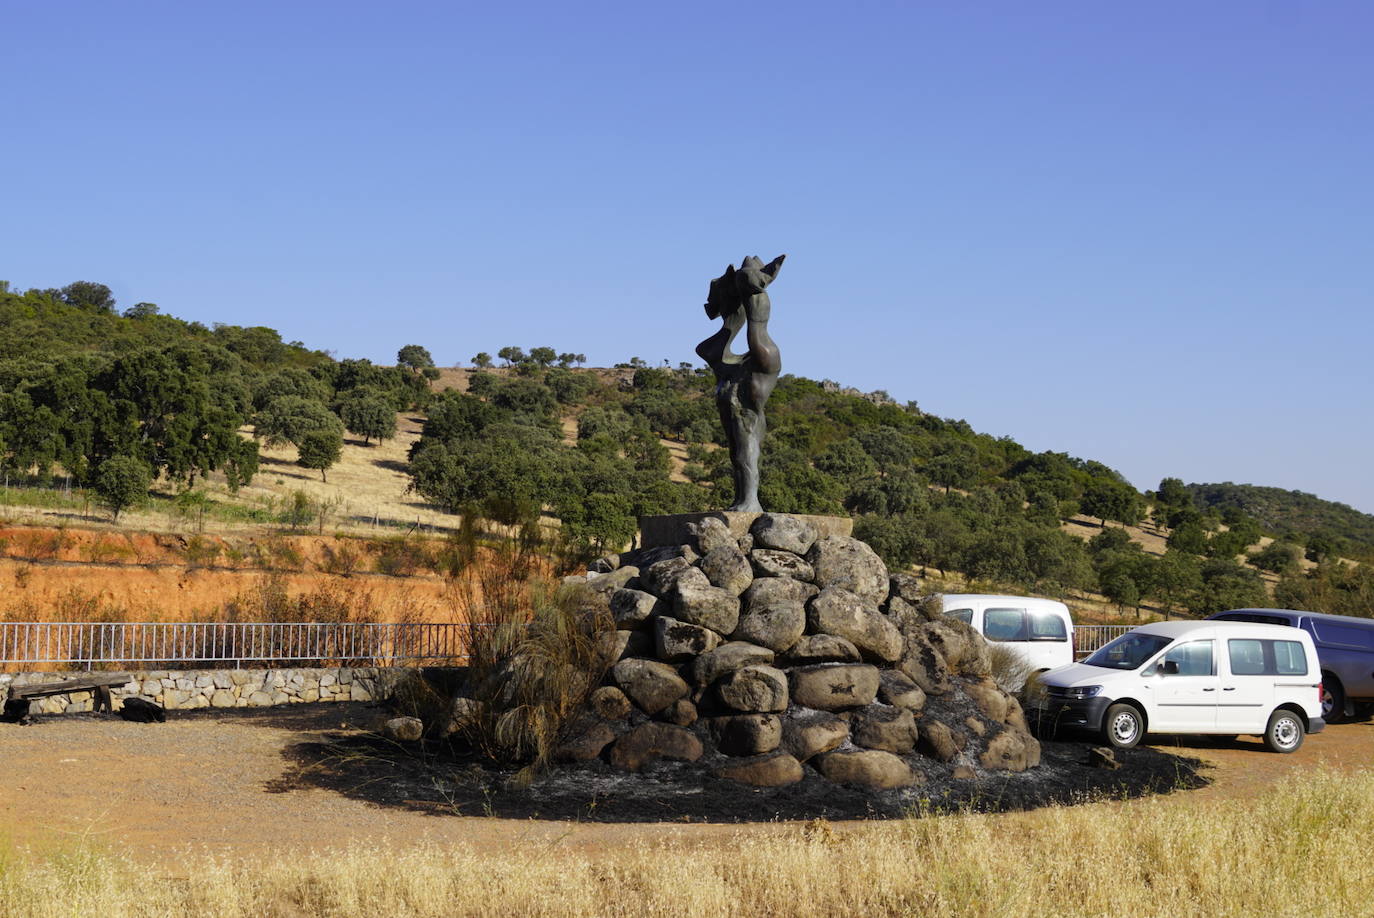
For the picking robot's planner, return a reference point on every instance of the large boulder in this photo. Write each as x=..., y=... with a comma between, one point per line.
x=652, y=741
x=940, y=741
x=661, y=577
x=710, y=534
x=774, y=612
x=870, y=768
x=821, y=648
x=1011, y=750
x=769, y=562
x=707, y=606
x=896, y=689
x=922, y=664
x=677, y=641
x=880, y=726
x=651, y=685
x=783, y=533
x=963, y=649
x=754, y=689
x=845, y=614
x=584, y=742
x=834, y=686
x=610, y=703
x=747, y=734
x=727, y=567
x=776, y=769
x=726, y=658
x=613, y=646
x=632, y=608
x=846, y=563
x=810, y=733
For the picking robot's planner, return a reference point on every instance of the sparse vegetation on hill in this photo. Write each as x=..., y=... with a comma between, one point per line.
x=1325, y=527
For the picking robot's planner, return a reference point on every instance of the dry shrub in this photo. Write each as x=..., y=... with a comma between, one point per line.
x=401, y=556
x=1010, y=669
x=341, y=559
x=532, y=658
x=201, y=552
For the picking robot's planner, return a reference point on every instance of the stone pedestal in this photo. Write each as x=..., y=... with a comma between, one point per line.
x=655, y=531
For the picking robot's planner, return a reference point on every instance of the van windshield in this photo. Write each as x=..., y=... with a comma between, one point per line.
x=1130, y=651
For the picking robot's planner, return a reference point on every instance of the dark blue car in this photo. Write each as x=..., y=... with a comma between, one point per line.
x=1345, y=646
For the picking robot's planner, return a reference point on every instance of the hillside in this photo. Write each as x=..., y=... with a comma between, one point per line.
x=237, y=431
x=1281, y=511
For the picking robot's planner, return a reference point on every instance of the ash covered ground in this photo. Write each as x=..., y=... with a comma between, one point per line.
x=438, y=778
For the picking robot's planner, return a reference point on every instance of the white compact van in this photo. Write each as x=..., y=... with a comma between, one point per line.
x=1191, y=677
x=1040, y=630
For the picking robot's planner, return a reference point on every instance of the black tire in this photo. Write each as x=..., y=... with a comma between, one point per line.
x=1123, y=726
x=1333, y=699
x=1285, y=731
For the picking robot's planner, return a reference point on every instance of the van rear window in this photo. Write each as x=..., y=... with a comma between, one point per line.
x=1046, y=626
x=964, y=615
x=1255, y=657
x=1004, y=624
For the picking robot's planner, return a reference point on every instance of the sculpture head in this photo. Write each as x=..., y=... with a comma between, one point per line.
x=728, y=292
x=753, y=275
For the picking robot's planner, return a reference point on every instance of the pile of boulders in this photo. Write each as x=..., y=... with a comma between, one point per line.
x=779, y=652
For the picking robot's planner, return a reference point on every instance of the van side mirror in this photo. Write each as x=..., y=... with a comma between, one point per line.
x=1168, y=667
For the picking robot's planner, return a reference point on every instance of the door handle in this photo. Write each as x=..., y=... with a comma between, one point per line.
x=1209, y=690
x=1230, y=688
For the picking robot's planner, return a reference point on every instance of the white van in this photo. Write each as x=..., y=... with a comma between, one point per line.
x=1191, y=677
x=1040, y=630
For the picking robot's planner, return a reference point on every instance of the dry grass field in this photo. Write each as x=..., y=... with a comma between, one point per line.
x=1300, y=848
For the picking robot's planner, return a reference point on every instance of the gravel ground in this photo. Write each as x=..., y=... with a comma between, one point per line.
x=257, y=782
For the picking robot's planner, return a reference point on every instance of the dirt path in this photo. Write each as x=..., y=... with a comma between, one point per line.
x=219, y=783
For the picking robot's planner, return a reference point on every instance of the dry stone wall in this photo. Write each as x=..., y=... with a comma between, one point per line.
x=782, y=654
x=219, y=688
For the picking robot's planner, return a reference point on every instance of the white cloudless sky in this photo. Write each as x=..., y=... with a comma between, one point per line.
x=1142, y=234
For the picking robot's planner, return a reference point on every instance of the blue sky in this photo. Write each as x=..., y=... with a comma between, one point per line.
x=1140, y=233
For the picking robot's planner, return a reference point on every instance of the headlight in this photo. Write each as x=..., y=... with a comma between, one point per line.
x=1083, y=691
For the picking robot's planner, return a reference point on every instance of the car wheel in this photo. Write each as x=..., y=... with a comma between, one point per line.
x=1333, y=699
x=1285, y=732
x=1123, y=726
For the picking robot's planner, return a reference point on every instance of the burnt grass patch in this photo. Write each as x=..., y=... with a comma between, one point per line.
x=442, y=779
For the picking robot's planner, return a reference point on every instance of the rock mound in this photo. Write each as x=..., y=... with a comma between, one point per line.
x=777, y=656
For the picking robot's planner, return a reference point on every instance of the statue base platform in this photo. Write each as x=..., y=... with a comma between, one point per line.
x=671, y=529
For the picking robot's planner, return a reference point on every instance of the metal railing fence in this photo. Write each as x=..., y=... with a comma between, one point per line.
x=179, y=644
x=1088, y=638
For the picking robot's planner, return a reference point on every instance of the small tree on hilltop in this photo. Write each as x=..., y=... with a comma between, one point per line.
x=512, y=355
x=414, y=358
x=543, y=356
x=319, y=449
x=481, y=360
x=122, y=482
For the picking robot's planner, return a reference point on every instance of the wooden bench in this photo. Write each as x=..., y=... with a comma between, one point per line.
x=99, y=683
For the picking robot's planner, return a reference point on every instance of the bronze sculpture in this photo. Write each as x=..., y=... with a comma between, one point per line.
x=743, y=381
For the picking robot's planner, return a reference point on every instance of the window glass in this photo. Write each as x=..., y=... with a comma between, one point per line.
x=1046, y=626
x=1004, y=624
x=1130, y=651
x=1251, y=657
x=1342, y=634
x=1247, y=656
x=1193, y=658
x=964, y=615
x=1289, y=658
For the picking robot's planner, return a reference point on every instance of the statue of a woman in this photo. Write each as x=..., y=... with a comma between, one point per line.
x=743, y=381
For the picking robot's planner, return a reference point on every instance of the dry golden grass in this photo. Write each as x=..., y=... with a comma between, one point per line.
x=1301, y=849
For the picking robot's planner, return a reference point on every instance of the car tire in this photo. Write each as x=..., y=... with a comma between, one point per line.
x=1285, y=731
x=1333, y=699
x=1123, y=726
